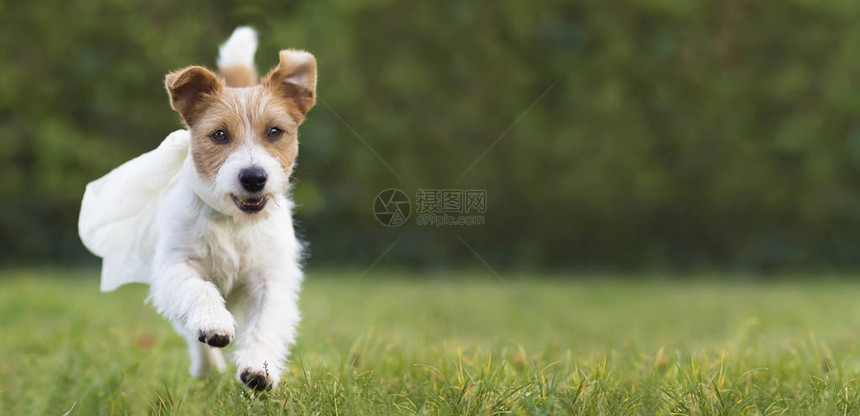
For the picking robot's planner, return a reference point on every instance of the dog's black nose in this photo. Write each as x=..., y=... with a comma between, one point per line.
x=253, y=179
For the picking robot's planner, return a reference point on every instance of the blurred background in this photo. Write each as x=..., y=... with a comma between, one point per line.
x=611, y=135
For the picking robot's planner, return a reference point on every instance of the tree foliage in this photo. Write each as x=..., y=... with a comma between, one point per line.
x=668, y=133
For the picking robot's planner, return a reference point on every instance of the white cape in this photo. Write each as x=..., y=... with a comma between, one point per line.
x=118, y=211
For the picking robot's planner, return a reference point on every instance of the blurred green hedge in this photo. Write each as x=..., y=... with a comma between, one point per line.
x=676, y=133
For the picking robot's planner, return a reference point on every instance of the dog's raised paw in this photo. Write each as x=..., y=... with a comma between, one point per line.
x=256, y=380
x=215, y=337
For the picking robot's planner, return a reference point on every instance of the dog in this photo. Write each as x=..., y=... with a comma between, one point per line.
x=218, y=242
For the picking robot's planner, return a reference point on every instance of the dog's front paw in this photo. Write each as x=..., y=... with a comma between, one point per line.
x=215, y=337
x=215, y=328
x=258, y=380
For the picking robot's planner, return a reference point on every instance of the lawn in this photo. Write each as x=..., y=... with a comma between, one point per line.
x=456, y=343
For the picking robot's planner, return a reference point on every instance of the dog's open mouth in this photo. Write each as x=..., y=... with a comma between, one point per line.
x=250, y=205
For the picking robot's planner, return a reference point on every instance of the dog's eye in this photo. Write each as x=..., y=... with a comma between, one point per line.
x=219, y=136
x=274, y=133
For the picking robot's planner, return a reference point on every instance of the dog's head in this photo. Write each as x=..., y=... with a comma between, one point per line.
x=244, y=141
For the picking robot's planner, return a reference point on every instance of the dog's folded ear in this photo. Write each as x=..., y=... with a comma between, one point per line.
x=191, y=90
x=295, y=79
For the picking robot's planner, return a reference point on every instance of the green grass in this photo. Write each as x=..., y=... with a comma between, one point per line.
x=453, y=344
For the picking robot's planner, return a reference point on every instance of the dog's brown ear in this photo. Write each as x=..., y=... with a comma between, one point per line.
x=191, y=90
x=295, y=79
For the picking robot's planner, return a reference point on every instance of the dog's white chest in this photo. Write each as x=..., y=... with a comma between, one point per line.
x=230, y=253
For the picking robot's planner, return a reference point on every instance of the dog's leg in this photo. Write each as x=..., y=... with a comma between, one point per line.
x=264, y=340
x=180, y=294
x=203, y=357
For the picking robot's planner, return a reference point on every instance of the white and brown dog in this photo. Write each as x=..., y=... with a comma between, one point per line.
x=224, y=261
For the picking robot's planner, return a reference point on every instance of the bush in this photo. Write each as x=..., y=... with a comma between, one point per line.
x=669, y=133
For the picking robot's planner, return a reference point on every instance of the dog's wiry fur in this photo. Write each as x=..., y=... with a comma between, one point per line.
x=222, y=274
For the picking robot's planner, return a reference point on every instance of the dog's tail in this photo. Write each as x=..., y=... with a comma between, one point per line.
x=236, y=58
